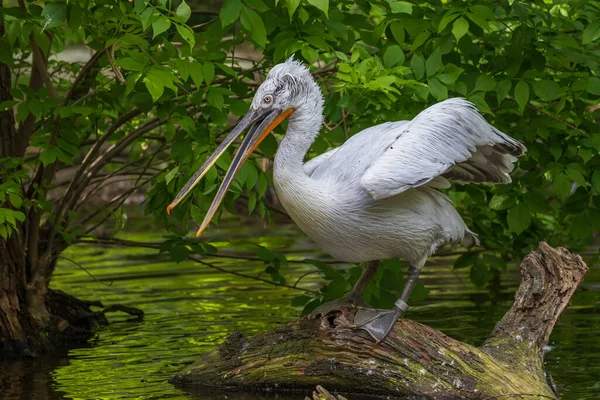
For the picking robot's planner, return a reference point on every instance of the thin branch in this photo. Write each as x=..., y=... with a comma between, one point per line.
x=86, y=271
x=82, y=75
x=123, y=196
x=343, y=120
x=38, y=59
x=198, y=260
x=115, y=69
x=152, y=245
x=203, y=24
x=76, y=187
x=303, y=276
x=560, y=121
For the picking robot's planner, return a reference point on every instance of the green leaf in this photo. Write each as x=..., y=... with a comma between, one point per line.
x=418, y=65
x=536, y=202
x=131, y=82
x=479, y=275
x=591, y=32
x=215, y=99
x=484, y=83
x=446, y=19
x=547, y=89
x=420, y=40
x=183, y=12
x=230, y=12
x=562, y=185
x=502, y=89
x=581, y=228
x=309, y=54
x=434, y=62
x=518, y=218
x=393, y=56
x=15, y=200
x=171, y=174
x=480, y=102
x=187, y=34
x=208, y=71
x=437, y=89
x=130, y=64
x=268, y=146
x=573, y=172
x=596, y=180
x=398, y=32
x=450, y=74
x=48, y=156
x=147, y=17
x=196, y=74
x=262, y=184
x=322, y=5
x=465, y=260
x=300, y=301
x=398, y=7
x=7, y=105
x=53, y=15
x=254, y=24
x=292, y=6
x=501, y=201
x=179, y=253
x=160, y=25
x=140, y=5
x=460, y=28
x=522, y=94
x=155, y=87
x=593, y=85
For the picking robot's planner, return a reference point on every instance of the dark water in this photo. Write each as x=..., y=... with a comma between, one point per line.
x=191, y=308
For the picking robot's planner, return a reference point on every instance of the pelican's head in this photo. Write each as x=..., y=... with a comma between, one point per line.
x=288, y=85
x=289, y=88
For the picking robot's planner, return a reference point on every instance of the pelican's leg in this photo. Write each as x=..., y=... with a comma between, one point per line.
x=379, y=323
x=354, y=297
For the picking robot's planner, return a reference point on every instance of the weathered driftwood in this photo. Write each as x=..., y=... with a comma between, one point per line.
x=414, y=360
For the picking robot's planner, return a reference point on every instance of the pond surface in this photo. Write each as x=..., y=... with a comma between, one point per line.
x=190, y=308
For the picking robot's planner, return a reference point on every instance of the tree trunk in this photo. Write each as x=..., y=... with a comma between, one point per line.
x=414, y=360
x=33, y=319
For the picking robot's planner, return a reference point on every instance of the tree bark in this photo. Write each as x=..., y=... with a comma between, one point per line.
x=414, y=360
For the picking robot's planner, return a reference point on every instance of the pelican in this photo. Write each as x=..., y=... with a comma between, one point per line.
x=377, y=196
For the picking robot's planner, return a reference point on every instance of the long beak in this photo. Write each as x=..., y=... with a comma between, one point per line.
x=270, y=120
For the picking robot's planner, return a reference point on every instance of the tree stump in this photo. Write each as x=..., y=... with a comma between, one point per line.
x=414, y=360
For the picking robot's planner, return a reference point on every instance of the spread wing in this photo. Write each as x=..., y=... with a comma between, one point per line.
x=450, y=140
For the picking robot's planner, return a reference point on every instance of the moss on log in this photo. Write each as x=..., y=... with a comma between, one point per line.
x=415, y=360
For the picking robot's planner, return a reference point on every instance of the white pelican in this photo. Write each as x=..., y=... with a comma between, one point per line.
x=375, y=197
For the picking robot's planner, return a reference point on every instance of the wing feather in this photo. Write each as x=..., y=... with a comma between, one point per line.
x=311, y=165
x=449, y=139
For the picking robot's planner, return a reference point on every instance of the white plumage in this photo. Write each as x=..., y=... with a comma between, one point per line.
x=376, y=196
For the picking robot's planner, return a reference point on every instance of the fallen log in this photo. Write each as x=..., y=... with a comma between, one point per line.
x=415, y=360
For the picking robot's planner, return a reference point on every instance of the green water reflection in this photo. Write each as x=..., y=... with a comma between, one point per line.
x=190, y=309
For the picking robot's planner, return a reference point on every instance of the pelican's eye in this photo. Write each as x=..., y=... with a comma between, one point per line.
x=268, y=99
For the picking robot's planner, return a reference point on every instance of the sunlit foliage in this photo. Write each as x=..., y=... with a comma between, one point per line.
x=167, y=77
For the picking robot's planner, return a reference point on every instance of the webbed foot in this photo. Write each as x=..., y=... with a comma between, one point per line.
x=346, y=301
x=379, y=323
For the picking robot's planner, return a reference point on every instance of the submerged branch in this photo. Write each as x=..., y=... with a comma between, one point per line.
x=197, y=259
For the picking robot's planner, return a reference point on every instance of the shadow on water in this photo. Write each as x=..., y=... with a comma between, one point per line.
x=189, y=309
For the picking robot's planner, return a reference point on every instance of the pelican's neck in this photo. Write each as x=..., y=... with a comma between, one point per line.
x=303, y=128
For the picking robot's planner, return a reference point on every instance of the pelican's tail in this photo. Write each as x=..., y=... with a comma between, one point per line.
x=470, y=240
